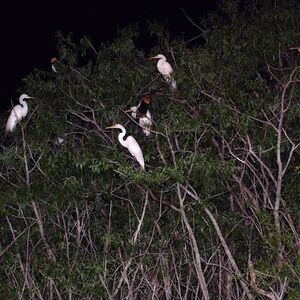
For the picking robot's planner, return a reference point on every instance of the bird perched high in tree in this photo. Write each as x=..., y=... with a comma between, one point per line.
x=165, y=69
x=131, y=144
x=53, y=62
x=18, y=112
x=143, y=113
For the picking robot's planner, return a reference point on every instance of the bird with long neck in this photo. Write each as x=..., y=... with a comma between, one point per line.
x=18, y=112
x=142, y=111
x=131, y=144
x=165, y=69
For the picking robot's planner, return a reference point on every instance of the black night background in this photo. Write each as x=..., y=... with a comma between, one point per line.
x=153, y=161
x=28, y=30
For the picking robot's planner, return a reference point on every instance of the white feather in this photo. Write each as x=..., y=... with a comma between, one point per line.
x=53, y=68
x=166, y=70
x=131, y=144
x=135, y=150
x=164, y=67
x=146, y=123
x=133, y=110
x=18, y=112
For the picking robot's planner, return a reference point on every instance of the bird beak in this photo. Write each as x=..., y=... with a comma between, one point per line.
x=153, y=57
x=109, y=127
x=128, y=110
x=30, y=98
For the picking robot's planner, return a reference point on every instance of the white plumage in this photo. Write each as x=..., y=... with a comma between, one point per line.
x=53, y=61
x=165, y=69
x=53, y=68
x=18, y=112
x=131, y=144
x=145, y=122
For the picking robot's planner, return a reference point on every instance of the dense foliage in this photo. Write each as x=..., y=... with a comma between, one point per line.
x=216, y=213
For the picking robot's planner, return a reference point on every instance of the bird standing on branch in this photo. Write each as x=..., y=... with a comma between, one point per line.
x=165, y=69
x=18, y=112
x=145, y=119
x=53, y=61
x=131, y=144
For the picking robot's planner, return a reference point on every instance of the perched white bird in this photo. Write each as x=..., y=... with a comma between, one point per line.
x=165, y=69
x=53, y=61
x=18, y=112
x=131, y=144
x=60, y=140
x=145, y=119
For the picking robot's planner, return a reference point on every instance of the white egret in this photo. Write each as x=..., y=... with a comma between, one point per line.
x=18, y=112
x=165, y=69
x=145, y=119
x=53, y=61
x=131, y=144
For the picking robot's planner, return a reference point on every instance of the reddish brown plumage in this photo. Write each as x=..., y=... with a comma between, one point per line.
x=146, y=99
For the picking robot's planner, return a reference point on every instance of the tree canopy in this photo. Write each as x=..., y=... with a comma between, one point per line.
x=215, y=214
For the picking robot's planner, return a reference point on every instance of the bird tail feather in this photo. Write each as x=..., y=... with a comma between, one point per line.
x=169, y=79
x=173, y=84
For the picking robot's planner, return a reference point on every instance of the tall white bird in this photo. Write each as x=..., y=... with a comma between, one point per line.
x=131, y=144
x=18, y=112
x=165, y=69
x=145, y=119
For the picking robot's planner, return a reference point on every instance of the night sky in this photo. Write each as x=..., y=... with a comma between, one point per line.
x=28, y=29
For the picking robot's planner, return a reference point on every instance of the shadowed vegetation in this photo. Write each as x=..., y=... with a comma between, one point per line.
x=215, y=215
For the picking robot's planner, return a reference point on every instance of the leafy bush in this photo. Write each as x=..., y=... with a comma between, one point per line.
x=215, y=213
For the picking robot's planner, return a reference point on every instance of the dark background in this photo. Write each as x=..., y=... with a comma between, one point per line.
x=27, y=30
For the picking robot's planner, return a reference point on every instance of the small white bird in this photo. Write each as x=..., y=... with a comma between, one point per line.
x=60, y=140
x=53, y=61
x=165, y=69
x=18, y=112
x=145, y=120
x=131, y=144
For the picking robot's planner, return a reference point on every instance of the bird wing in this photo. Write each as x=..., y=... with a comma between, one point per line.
x=135, y=150
x=148, y=115
x=17, y=111
x=145, y=121
x=165, y=68
x=53, y=68
x=15, y=116
x=134, y=110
